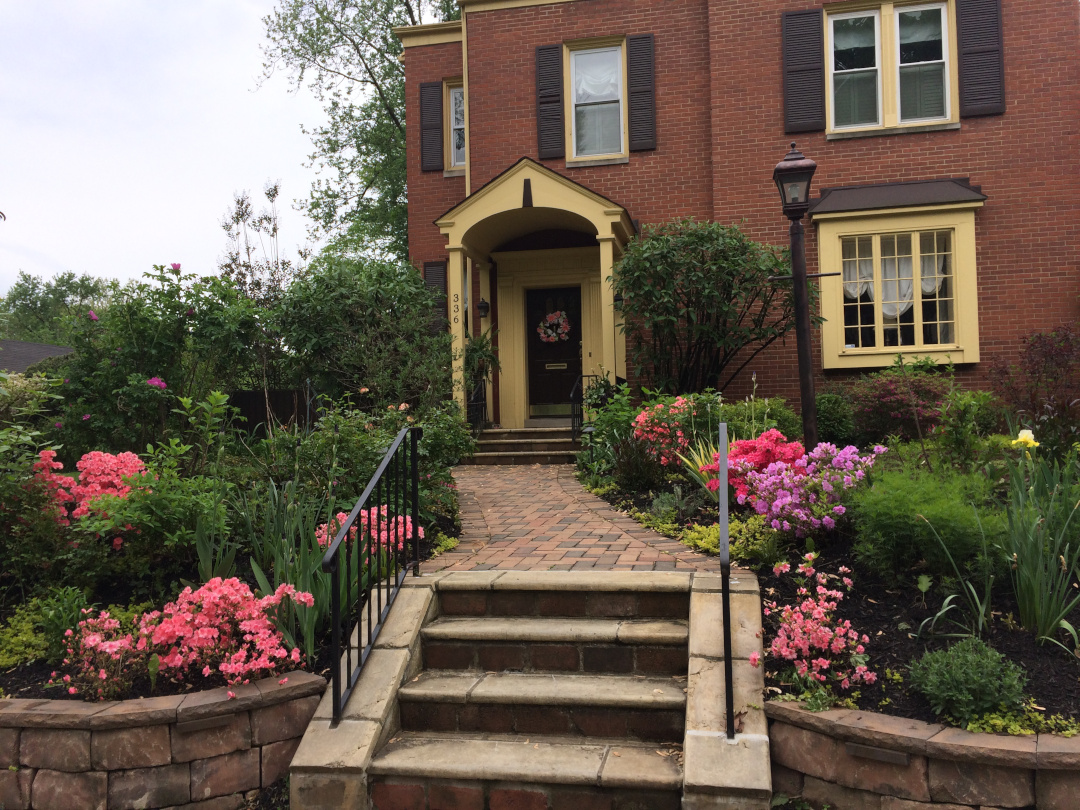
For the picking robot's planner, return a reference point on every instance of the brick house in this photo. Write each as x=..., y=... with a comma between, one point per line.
x=543, y=133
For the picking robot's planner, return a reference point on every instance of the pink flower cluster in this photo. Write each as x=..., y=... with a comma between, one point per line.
x=746, y=455
x=554, y=327
x=663, y=427
x=158, y=383
x=221, y=627
x=58, y=486
x=804, y=495
x=376, y=523
x=810, y=637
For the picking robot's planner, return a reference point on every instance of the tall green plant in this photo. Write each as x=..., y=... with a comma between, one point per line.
x=1043, y=542
x=701, y=301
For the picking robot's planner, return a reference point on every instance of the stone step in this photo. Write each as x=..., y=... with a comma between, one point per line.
x=520, y=457
x=641, y=647
x=535, y=433
x=566, y=445
x=582, y=603
x=641, y=708
x=413, y=770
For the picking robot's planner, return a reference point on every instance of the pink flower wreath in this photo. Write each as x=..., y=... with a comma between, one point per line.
x=554, y=327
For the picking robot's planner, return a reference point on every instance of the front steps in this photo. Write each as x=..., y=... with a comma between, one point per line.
x=537, y=445
x=547, y=691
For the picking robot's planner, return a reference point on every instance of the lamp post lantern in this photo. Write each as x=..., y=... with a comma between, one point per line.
x=792, y=176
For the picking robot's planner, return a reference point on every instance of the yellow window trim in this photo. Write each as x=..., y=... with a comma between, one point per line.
x=568, y=97
x=414, y=36
x=888, y=69
x=452, y=83
x=831, y=229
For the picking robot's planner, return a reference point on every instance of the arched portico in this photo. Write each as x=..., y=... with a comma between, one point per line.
x=538, y=242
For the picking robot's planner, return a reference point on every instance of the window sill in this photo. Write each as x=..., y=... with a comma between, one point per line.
x=571, y=163
x=883, y=359
x=873, y=133
x=458, y=172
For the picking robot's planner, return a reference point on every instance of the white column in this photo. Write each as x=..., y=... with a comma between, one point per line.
x=455, y=306
x=607, y=303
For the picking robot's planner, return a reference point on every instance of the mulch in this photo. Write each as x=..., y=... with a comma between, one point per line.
x=891, y=617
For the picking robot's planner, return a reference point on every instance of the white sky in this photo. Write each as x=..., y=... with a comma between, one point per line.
x=127, y=125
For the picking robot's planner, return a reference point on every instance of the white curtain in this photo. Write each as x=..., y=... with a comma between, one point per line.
x=858, y=278
x=920, y=26
x=596, y=76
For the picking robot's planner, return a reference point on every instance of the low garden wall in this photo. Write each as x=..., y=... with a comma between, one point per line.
x=856, y=760
x=203, y=749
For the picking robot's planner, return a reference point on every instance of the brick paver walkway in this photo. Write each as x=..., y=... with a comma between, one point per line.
x=539, y=518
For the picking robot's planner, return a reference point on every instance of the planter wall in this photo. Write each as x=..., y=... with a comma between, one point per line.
x=155, y=752
x=856, y=760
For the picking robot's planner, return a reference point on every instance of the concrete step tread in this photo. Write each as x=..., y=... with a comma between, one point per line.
x=563, y=689
x=486, y=440
x=573, y=630
x=514, y=758
x=543, y=431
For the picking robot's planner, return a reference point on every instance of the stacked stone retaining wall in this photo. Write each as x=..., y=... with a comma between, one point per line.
x=856, y=760
x=201, y=750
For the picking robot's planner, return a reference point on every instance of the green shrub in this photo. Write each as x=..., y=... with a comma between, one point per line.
x=61, y=610
x=835, y=419
x=893, y=520
x=752, y=417
x=751, y=541
x=967, y=680
x=21, y=639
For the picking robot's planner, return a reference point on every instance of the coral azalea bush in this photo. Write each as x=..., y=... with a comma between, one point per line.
x=221, y=627
x=99, y=474
x=376, y=523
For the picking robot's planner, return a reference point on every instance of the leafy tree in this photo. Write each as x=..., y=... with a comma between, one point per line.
x=40, y=310
x=697, y=297
x=346, y=53
x=364, y=326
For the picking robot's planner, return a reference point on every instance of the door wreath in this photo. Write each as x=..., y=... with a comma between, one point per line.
x=554, y=327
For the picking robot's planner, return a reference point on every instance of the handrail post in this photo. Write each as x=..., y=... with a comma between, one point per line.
x=725, y=577
x=335, y=644
x=414, y=440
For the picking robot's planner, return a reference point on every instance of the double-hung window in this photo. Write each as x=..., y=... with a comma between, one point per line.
x=596, y=92
x=455, y=152
x=890, y=66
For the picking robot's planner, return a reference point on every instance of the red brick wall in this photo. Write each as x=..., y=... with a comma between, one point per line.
x=716, y=160
x=430, y=194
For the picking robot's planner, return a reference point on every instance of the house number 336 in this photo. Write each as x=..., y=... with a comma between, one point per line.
x=457, y=308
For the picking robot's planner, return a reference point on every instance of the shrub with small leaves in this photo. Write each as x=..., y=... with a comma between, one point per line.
x=969, y=679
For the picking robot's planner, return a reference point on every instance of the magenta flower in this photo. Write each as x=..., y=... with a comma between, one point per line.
x=175, y=265
x=58, y=425
x=85, y=416
x=92, y=315
x=157, y=382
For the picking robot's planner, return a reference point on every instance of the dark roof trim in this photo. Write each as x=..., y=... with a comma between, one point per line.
x=17, y=356
x=896, y=195
x=496, y=178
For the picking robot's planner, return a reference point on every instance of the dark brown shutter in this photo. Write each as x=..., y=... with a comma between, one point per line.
x=431, y=121
x=804, y=71
x=550, y=141
x=982, y=58
x=435, y=279
x=642, y=91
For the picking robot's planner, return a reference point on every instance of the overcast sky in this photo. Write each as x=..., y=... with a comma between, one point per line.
x=127, y=125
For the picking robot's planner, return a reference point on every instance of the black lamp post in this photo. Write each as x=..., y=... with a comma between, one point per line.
x=792, y=176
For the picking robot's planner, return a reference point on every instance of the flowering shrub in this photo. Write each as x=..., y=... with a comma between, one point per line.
x=819, y=647
x=748, y=455
x=665, y=429
x=58, y=486
x=375, y=523
x=804, y=495
x=221, y=627
x=157, y=382
x=904, y=400
x=99, y=474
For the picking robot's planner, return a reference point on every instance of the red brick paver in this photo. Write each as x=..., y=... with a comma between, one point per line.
x=539, y=518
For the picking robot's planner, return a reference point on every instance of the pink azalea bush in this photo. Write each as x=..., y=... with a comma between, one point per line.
x=809, y=636
x=804, y=495
x=99, y=474
x=376, y=523
x=666, y=429
x=753, y=455
x=221, y=627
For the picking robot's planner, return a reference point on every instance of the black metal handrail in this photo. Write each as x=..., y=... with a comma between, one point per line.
x=375, y=562
x=577, y=403
x=476, y=407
